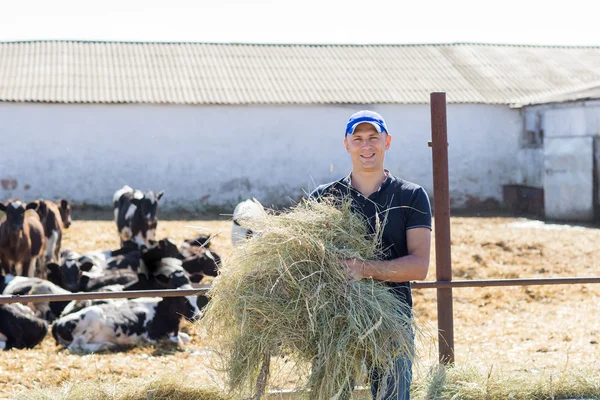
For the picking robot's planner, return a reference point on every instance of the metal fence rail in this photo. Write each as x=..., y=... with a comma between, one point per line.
x=41, y=298
x=504, y=282
x=202, y=289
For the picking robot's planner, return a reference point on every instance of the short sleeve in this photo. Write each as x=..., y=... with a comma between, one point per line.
x=324, y=190
x=419, y=215
x=317, y=193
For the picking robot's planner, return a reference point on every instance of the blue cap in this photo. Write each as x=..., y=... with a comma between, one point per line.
x=366, y=116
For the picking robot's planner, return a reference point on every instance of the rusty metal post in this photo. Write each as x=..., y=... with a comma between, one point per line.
x=441, y=207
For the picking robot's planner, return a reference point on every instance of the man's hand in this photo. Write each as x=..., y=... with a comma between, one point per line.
x=356, y=268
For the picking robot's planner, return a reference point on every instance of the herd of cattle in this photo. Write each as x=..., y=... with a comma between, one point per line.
x=33, y=262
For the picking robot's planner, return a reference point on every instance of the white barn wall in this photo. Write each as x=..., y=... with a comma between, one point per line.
x=572, y=119
x=557, y=120
x=218, y=155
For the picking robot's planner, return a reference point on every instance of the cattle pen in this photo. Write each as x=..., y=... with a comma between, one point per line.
x=444, y=282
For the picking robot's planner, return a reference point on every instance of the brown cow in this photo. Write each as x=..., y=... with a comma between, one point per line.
x=53, y=227
x=65, y=212
x=22, y=240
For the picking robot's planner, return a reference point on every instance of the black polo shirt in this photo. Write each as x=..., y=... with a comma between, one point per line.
x=402, y=205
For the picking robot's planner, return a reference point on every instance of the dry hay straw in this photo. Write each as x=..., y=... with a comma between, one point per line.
x=285, y=292
x=162, y=388
x=467, y=382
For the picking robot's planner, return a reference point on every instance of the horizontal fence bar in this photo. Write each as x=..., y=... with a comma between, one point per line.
x=40, y=298
x=504, y=282
x=202, y=289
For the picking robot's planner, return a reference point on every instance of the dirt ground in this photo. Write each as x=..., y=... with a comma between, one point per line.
x=533, y=329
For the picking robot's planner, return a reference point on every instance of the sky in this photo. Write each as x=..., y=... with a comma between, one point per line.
x=572, y=22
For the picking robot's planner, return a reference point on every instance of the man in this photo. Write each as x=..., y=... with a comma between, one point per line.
x=405, y=210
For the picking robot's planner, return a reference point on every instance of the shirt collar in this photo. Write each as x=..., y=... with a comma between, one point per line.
x=388, y=178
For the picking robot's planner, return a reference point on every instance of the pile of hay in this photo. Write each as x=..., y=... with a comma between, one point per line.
x=160, y=388
x=284, y=292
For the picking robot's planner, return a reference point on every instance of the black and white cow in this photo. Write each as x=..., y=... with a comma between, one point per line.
x=191, y=246
x=105, y=324
x=205, y=263
x=90, y=272
x=245, y=210
x=68, y=273
x=24, y=286
x=76, y=305
x=136, y=214
x=109, y=280
x=195, y=257
x=198, y=261
x=20, y=328
x=122, y=323
x=130, y=261
x=129, y=256
x=166, y=272
x=127, y=247
x=158, y=268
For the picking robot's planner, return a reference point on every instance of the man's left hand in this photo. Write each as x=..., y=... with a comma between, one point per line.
x=355, y=267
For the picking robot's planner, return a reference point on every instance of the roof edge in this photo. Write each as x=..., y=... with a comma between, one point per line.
x=571, y=94
x=266, y=44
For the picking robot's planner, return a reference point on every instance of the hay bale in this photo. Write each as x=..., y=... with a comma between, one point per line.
x=285, y=292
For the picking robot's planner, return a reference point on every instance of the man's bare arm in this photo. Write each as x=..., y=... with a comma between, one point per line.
x=412, y=267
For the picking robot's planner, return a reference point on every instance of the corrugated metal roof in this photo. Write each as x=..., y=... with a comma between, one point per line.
x=588, y=91
x=211, y=73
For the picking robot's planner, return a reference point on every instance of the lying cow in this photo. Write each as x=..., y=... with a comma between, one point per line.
x=23, y=286
x=198, y=263
x=136, y=214
x=128, y=256
x=68, y=273
x=119, y=323
x=191, y=247
x=19, y=328
x=123, y=322
x=22, y=240
x=205, y=263
x=158, y=268
x=77, y=305
x=141, y=284
x=109, y=279
x=89, y=272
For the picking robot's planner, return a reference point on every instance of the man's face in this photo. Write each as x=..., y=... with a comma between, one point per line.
x=367, y=147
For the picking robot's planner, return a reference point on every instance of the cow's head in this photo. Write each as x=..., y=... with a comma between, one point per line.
x=147, y=205
x=40, y=208
x=190, y=308
x=62, y=331
x=169, y=248
x=243, y=213
x=169, y=274
x=158, y=250
x=65, y=212
x=200, y=265
x=69, y=274
x=15, y=212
